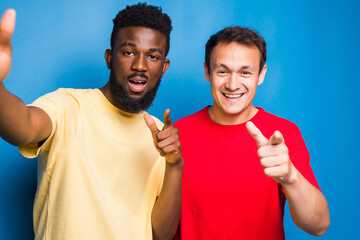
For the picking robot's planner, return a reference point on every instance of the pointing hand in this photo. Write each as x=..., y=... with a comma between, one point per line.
x=167, y=140
x=274, y=155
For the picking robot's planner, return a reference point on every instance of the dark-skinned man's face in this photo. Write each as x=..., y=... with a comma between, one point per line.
x=137, y=62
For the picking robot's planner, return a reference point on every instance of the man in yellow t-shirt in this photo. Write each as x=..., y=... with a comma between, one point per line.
x=106, y=169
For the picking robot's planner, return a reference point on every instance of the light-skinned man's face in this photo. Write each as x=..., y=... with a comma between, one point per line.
x=137, y=62
x=234, y=77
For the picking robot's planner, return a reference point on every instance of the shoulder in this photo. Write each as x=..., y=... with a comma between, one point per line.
x=68, y=93
x=77, y=93
x=193, y=119
x=269, y=123
x=277, y=121
x=63, y=99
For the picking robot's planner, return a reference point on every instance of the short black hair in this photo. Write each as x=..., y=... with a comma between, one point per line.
x=241, y=35
x=142, y=15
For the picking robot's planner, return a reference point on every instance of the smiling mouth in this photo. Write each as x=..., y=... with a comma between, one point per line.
x=233, y=96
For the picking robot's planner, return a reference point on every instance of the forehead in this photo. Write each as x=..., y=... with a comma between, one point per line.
x=141, y=36
x=235, y=55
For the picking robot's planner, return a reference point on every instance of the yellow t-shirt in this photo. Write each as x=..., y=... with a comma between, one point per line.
x=98, y=172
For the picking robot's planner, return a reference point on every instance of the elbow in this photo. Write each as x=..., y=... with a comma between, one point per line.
x=321, y=230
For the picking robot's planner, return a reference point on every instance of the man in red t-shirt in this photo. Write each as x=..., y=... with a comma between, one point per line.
x=242, y=163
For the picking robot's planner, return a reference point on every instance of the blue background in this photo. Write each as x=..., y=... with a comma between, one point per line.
x=312, y=79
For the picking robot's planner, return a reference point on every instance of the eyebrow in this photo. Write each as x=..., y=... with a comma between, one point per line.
x=221, y=65
x=156, y=50
x=225, y=66
x=130, y=44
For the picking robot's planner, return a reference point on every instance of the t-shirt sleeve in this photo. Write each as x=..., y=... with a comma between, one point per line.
x=53, y=105
x=300, y=157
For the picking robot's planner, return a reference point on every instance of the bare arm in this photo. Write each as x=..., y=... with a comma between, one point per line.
x=166, y=212
x=308, y=206
x=19, y=125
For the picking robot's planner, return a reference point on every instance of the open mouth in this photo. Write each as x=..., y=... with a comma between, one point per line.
x=137, y=85
x=137, y=82
x=233, y=96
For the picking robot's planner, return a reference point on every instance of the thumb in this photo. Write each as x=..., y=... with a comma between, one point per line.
x=151, y=125
x=276, y=138
x=7, y=25
x=167, y=119
x=256, y=134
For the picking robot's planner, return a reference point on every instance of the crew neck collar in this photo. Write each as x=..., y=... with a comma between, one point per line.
x=256, y=118
x=114, y=109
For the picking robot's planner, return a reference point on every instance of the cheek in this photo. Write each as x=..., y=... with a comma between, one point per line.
x=217, y=83
x=119, y=66
x=155, y=70
x=250, y=84
x=120, y=73
x=214, y=88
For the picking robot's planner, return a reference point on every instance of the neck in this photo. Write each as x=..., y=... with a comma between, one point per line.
x=227, y=119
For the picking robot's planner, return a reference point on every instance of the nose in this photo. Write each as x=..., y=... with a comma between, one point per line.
x=233, y=83
x=139, y=63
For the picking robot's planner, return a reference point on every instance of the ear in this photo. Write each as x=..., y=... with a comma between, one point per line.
x=206, y=72
x=165, y=67
x=262, y=75
x=108, y=56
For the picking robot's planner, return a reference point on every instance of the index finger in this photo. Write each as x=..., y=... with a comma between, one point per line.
x=256, y=134
x=151, y=124
x=7, y=25
x=167, y=119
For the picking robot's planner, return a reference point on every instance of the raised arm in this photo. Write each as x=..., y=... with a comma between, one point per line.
x=166, y=213
x=19, y=125
x=308, y=206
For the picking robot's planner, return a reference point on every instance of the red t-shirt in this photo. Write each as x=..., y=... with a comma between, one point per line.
x=226, y=194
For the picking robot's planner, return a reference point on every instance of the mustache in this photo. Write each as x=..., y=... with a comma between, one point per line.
x=137, y=74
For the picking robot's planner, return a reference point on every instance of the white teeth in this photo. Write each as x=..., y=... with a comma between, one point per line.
x=232, y=95
x=140, y=82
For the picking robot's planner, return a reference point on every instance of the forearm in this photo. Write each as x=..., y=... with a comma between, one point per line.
x=308, y=206
x=17, y=122
x=166, y=213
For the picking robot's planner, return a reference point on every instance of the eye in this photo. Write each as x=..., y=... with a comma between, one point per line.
x=128, y=53
x=246, y=73
x=153, y=57
x=221, y=72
